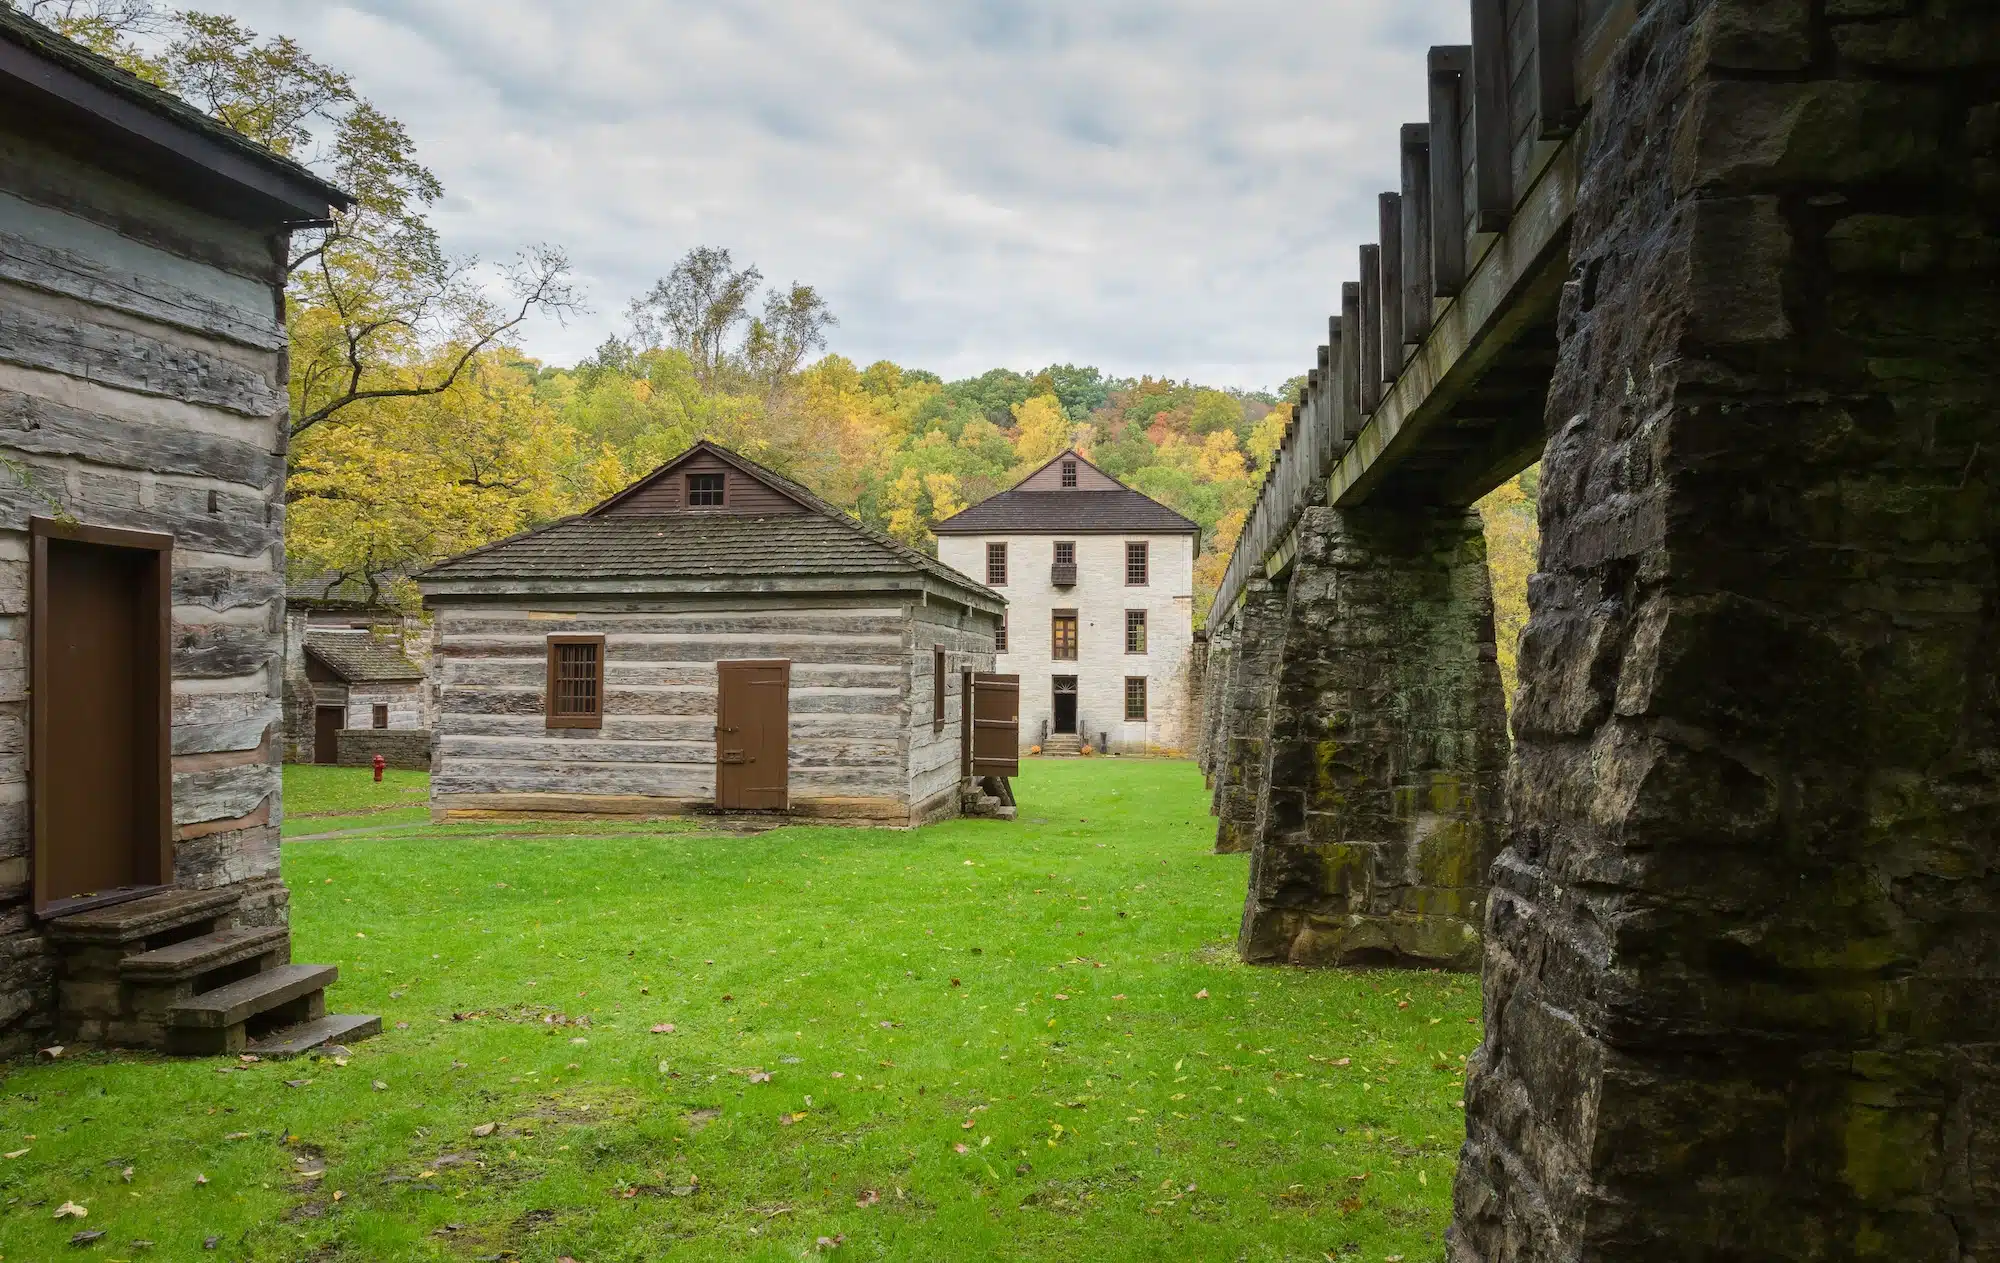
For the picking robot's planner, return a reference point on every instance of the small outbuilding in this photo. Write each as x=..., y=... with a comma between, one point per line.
x=367, y=699
x=715, y=637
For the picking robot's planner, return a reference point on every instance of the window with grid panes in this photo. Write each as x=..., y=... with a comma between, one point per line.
x=1135, y=631
x=1135, y=697
x=1069, y=473
x=705, y=489
x=1062, y=630
x=1066, y=552
x=1135, y=564
x=996, y=565
x=576, y=682
x=1000, y=636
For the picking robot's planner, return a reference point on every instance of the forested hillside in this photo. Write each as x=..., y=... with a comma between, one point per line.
x=420, y=429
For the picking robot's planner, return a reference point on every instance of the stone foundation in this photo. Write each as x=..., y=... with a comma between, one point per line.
x=1387, y=748
x=1742, y=981
x=1246, y=719
x=407, y=748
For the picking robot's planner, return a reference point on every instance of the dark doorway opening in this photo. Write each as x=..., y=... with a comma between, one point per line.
x=752, y=736
x=100, y=790
x=1065, y=705
x=327, y=723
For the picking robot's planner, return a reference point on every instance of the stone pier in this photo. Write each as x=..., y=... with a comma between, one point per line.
x=1387, y=748
x=1215, y=682
x=1246, y=714
x=1742, y=982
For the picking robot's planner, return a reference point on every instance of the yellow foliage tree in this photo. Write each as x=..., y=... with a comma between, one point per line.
x=1513, y=538
x=1267, y=435
x=1042, y=432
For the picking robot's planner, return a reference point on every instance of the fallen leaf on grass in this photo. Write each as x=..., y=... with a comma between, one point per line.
x=379, y=1086
x=868, y=1198
x=200, y=1179
x=664, y=1028
x=833, y=1242
x=786, y=1120
x=50, y=1054
x=1201, y=994
x=298, y=1083
x=17, y=1153
x=85, y=1238
x=961, y=1149
x=237, y=1135
x=760, y=1076
x=485, y=1129
x=70, y=1210
x=967, y=1124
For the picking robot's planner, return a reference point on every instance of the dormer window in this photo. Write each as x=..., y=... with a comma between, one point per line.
x=1069, y=473
x=704, y=489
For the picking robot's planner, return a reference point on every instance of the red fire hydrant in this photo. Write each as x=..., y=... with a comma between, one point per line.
x=380, y=763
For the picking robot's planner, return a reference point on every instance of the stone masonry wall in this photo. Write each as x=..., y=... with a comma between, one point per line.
x=408, y=748
x=1387, y=749
x=1742, y=981
x=1214, y=690
x=1239, y=778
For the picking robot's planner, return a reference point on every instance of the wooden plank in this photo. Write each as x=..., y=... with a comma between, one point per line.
x=55, y=270
x=1322, y=418
x=1371, y=328
x=1390, y=206
x=1351, y=411
x=1557, y=29
x=1417, y=284
x=222, y=793
x=128, y=361
x=31, y=423
x=1336, y=389
x=1447, y=72
x=1492, y=124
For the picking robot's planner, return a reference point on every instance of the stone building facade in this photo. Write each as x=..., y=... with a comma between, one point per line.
x=1099, y=582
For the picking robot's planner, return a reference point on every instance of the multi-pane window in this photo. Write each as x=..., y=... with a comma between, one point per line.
x=996, y=565
x=1066, y=552
x=705, y=489
x=1135, y=564
x=1000, y=636
x=1062, y=629
x=1135, y=697
x=576, y=682
x=1069, y=473
x=381, y=716
x=1135, y=631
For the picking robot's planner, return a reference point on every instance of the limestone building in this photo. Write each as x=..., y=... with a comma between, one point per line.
x=142, y=430
x=1099, y=581
x=714, y=637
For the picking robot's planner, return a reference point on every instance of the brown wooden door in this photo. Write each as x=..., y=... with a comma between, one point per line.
x=100, y=790
x=996, y=725
x=752, y=736
x=327, y=723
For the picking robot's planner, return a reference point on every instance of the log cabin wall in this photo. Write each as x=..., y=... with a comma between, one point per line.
x=934, y=751
x=143, y=385
x=855, y=705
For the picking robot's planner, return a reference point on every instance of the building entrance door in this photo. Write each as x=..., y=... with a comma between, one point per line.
x=752, y=736
x=327, y=723
x=1065, y=705
x=99, y=787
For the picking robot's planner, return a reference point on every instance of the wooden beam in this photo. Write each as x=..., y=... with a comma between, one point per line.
x=1323, y=409
x=1492, y=119
x=1371, y=328
x=1556, y=31
x=1392, y=285
x=1351, y=412
x=1417, y=284
x=1448, y=67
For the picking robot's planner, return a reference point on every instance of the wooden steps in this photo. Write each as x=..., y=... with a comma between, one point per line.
x=333, y=1029
x=173, y=971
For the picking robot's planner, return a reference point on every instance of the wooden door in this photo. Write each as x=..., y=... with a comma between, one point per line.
x=100, y=790
x=1065, y=704
x=996, y=725
x=752, y=736
x=327, y=723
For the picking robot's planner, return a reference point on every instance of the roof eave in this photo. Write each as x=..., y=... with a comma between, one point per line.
x=291, y=192
x=438, y=590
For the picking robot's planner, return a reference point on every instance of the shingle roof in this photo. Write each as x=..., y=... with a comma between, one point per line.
x=17, y=28
x=360, y=657
x=1073, y=512
x=824, y=543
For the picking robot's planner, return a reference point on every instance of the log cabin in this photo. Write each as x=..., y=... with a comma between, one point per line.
x=143, y=429
x=713, y=638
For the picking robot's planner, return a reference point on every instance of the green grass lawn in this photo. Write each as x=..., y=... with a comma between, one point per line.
x=980, y=1040
x=325, y=799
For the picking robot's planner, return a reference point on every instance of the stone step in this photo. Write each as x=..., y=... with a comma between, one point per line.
x=189, y=958
x=139, y=919
x=334, y=1028
x=240, y=1001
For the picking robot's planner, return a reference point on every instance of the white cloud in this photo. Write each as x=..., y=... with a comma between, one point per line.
x=1174, y=188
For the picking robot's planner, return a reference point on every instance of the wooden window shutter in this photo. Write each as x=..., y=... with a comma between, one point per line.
x=937, y=689
x=575, y=696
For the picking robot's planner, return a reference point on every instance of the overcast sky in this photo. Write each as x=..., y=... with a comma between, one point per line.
x=1174, y=187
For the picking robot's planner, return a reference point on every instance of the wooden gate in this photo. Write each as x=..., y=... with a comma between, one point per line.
x=752, y=736
x=995, y=745
x=100, y=791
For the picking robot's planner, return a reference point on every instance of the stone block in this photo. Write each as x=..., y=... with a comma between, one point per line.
x=1757, y=35
x=1757, y=136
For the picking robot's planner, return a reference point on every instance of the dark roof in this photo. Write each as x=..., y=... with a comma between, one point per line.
x=824, y=543
x=37, y=61
x=348, y=592
x=360, y=657
x=1018, y=512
